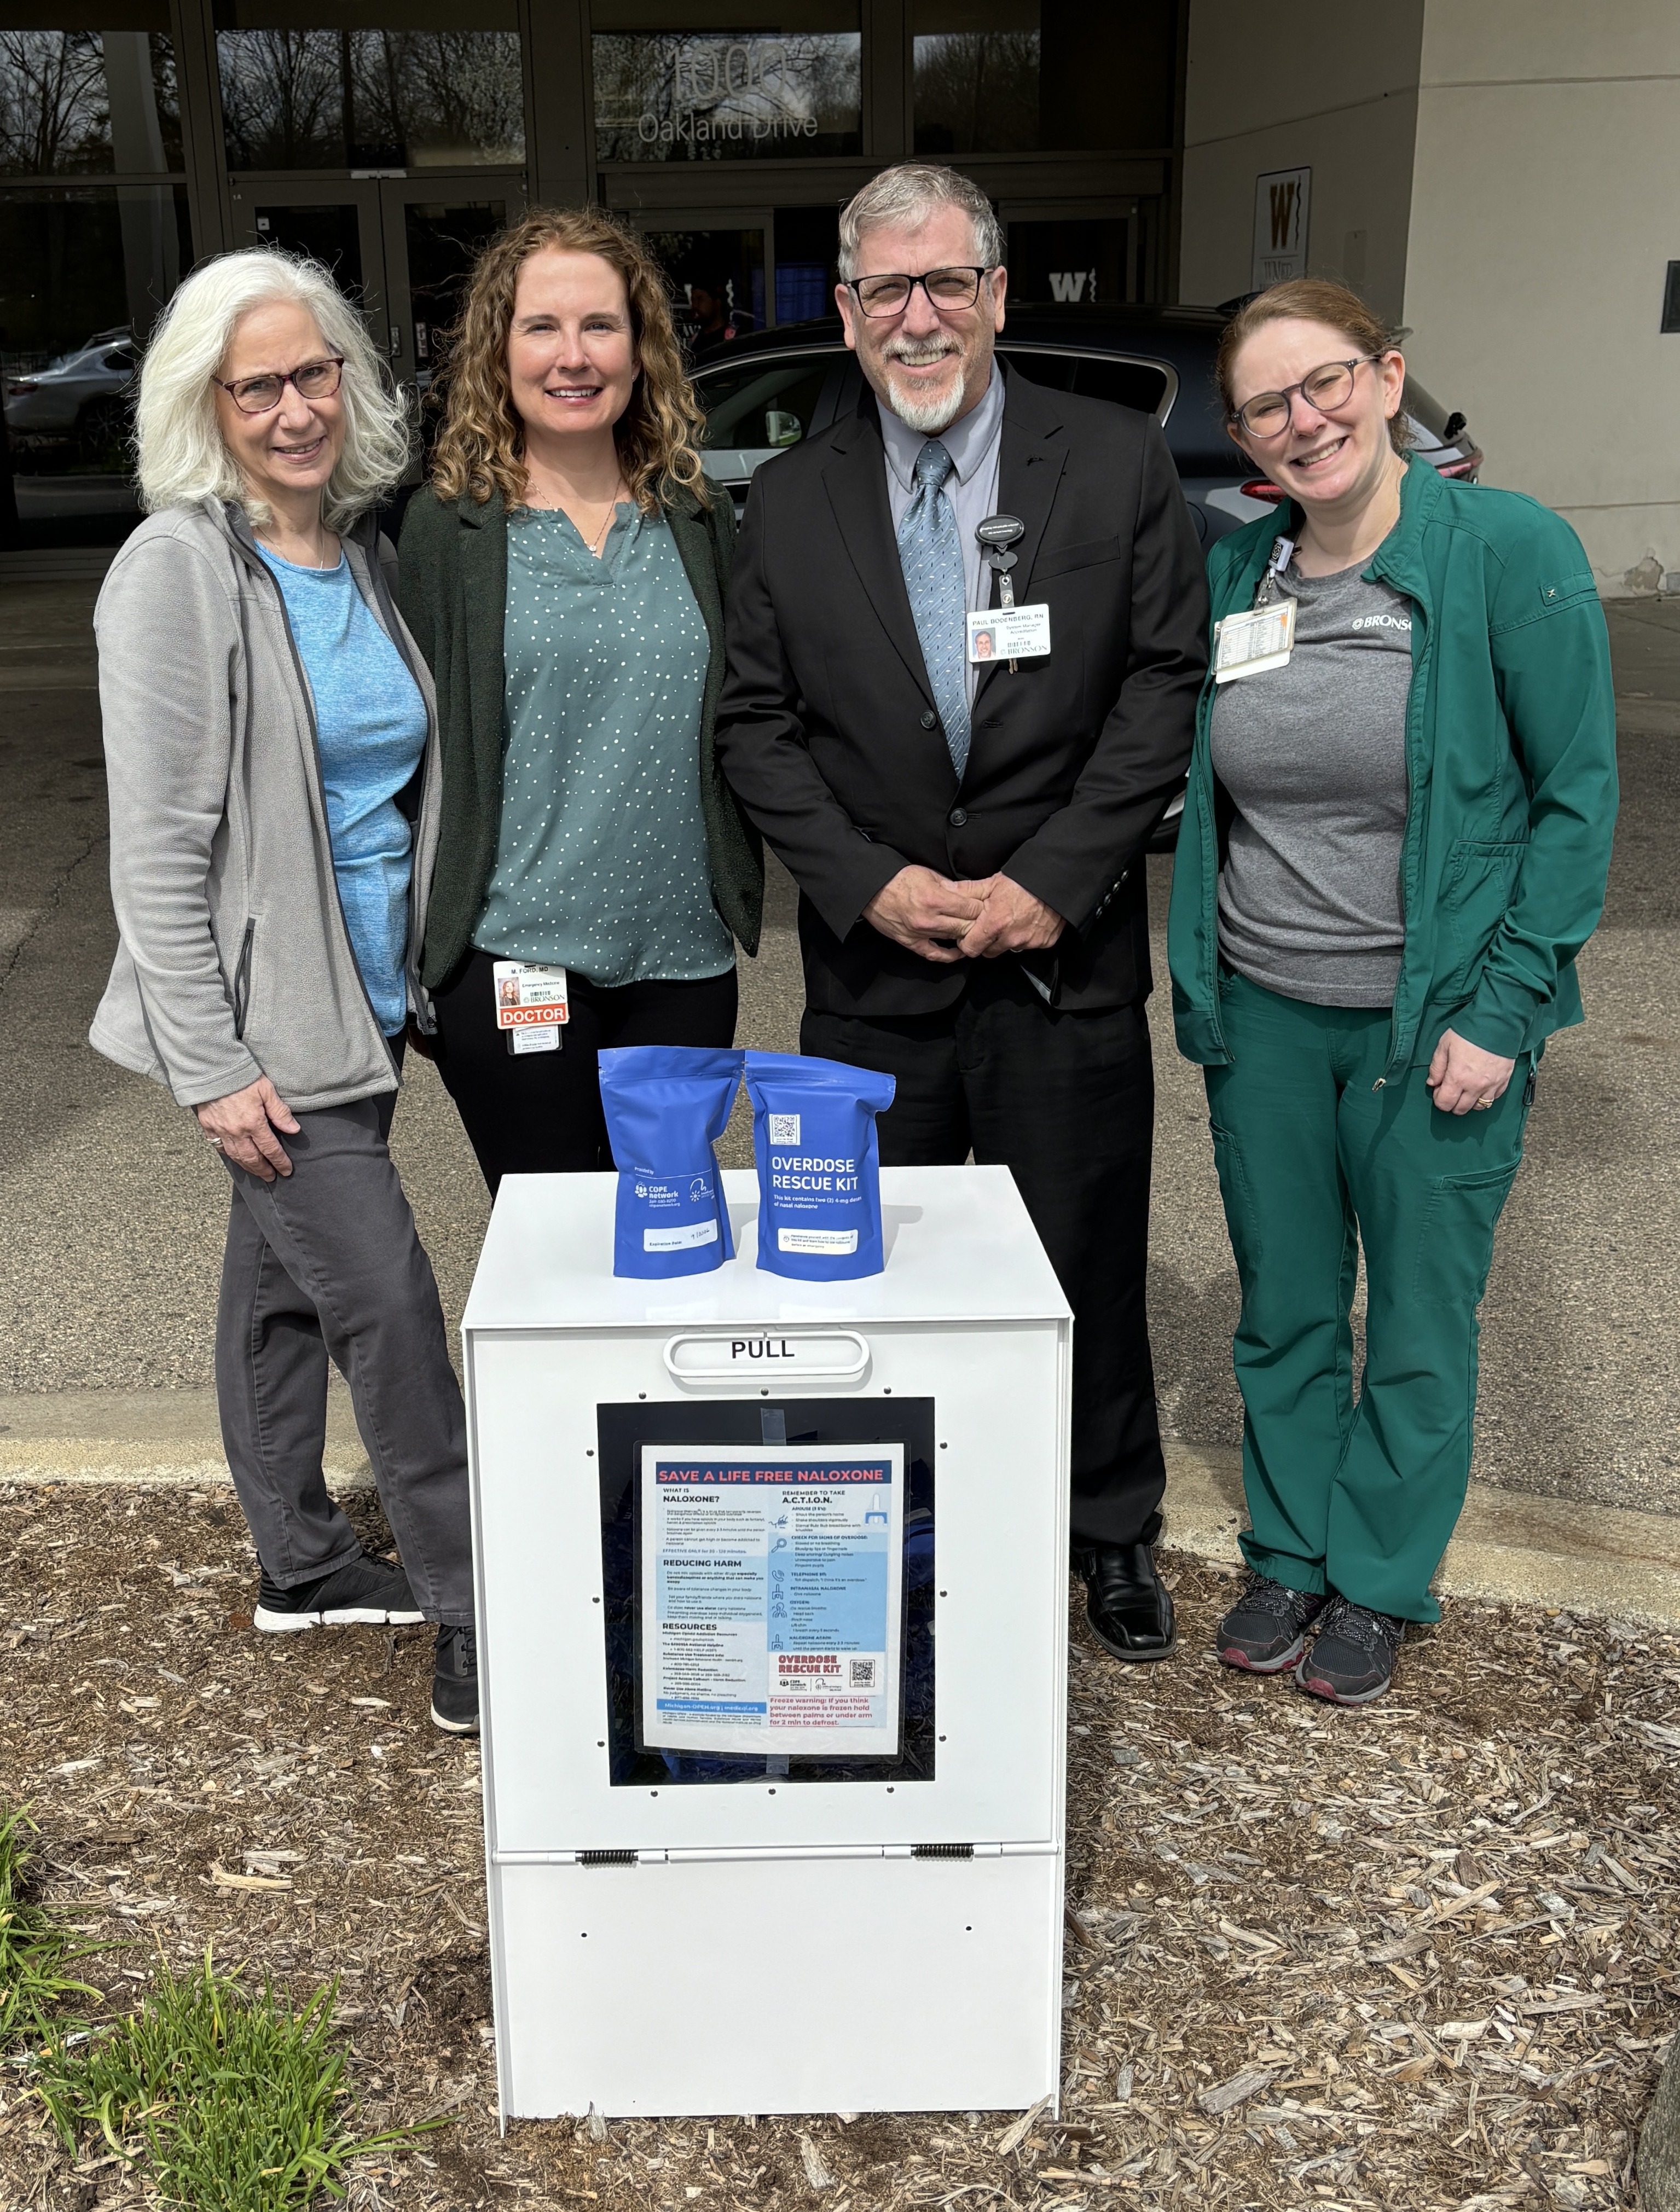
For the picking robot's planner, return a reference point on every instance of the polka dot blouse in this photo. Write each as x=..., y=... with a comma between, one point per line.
x=601, y=862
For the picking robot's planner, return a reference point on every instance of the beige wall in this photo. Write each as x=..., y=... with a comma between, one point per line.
x=1515, y=167
x=1545, y=207
x=1344, y=104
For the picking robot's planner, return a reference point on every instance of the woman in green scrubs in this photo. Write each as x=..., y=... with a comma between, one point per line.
x=1394, y=844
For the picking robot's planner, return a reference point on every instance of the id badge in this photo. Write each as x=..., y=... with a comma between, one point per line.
x=529, y=1005
x=1246, y=644
x=1008, y=634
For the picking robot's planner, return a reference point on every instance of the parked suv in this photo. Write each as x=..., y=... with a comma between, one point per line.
x=768, y=392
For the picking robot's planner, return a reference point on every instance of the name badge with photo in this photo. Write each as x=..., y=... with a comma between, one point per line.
x=529, y=1005
x=1008, y=634
x=1247, y=644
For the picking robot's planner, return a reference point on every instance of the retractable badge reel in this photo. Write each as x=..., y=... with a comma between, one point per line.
x=1264, y=637
x=1006, y=629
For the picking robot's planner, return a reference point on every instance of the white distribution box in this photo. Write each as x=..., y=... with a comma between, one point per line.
x=772, y=1586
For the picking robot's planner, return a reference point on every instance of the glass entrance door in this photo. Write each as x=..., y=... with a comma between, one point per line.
x=734, y=270
x=433, y=229
x=337, y=223
x=402, y=248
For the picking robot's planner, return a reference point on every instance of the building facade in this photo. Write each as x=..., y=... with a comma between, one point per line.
x=1503, y=177
x=1500, y=175
x=391, y=138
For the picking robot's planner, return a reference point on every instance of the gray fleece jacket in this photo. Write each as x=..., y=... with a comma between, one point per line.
x=235, y=960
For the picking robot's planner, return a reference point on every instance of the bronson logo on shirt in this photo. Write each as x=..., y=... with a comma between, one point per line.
x=1380, y=621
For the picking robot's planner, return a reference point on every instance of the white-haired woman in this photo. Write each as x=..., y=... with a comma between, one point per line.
x=271, y=739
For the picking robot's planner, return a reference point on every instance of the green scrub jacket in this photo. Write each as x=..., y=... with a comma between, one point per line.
x=1324, y=1134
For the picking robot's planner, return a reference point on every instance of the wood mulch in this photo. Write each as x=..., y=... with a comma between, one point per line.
x=1414, y=1957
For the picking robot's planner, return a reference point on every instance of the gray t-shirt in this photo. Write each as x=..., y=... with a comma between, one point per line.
x=1313, y=755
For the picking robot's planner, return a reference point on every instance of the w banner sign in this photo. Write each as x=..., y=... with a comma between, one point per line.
x=1281, y=202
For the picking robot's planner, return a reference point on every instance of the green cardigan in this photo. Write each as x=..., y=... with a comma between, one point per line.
x=1511, y=766
x=452, y=591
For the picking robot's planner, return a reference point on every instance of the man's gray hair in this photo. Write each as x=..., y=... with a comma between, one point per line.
x=181, y=458
x=906, y=195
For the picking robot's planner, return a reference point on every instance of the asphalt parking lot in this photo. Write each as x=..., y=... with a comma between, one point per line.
x=112, y=1211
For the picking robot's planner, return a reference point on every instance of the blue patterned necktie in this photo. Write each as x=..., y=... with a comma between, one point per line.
x=931, y=555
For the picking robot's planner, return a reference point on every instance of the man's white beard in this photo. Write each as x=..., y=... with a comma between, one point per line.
x=929, y=415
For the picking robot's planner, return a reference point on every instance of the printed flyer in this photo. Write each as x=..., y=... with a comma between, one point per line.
x=771, y=1586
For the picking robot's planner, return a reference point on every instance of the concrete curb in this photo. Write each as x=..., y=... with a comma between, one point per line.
x=126, y=1438
x=1510, y=1548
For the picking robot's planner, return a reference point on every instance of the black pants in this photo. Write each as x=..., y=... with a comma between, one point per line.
x=1067, y=1103
x=540, y=1114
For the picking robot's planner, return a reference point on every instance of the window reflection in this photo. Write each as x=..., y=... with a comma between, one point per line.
x=707, y=82
x=1009, y=77
x=85, y=102
x=298, y=95
x=83, y=272
x=976, y=78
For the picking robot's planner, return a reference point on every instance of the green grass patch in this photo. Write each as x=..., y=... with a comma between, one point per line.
x=235, y=2099
x=35, y=1951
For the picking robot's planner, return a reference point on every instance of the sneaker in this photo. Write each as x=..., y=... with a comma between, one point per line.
x=1352, y=1659
x=455, y=1681
x=1264, y=1630
x=366, y=1591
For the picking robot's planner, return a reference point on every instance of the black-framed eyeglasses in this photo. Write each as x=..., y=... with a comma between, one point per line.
x=1268, y=415
x=261, y=395
x=949, y=290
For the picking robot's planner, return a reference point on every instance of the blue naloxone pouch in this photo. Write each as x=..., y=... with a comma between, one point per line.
x=666, y=1107
x=819, y=1191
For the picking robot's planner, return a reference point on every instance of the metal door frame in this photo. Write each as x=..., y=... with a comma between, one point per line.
x=294, y=188
x=398, y=193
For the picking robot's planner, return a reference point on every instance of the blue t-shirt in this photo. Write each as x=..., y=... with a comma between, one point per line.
x=370, y=721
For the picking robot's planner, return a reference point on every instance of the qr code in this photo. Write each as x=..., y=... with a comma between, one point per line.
x=863, y=1674
x=784, y=1129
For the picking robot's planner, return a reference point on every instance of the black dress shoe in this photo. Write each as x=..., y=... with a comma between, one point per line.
x=1127, y=1606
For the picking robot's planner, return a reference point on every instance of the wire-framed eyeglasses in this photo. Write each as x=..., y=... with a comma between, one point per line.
x=1329, y=386
x=950, y=289
x=261, y=395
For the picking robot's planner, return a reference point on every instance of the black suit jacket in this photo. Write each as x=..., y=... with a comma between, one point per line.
x=827, y=728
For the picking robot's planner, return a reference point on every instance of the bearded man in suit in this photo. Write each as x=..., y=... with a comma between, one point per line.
x=969, y=840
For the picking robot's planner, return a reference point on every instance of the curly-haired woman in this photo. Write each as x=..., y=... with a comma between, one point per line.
x=565, y=575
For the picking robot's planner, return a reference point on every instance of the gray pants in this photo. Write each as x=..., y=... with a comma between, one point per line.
x=323, y=1263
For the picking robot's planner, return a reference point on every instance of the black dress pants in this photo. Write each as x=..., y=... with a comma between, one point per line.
x=539, y=1112
x=1067, y=1103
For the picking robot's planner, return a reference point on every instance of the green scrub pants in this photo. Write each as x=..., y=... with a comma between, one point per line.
x=1356, y=1492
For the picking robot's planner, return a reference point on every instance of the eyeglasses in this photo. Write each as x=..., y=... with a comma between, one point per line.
x=1269, y=414
x=948, y=289
x=261, y=395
